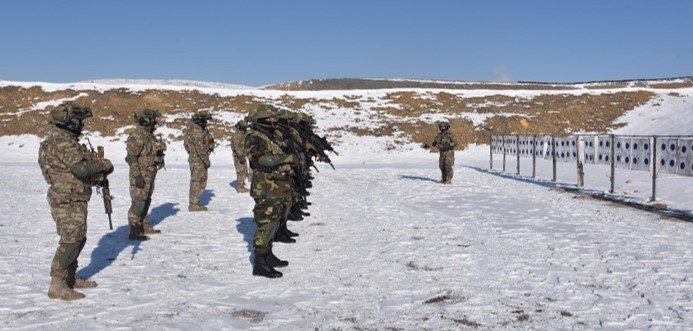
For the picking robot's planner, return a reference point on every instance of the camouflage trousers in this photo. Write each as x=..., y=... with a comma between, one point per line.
x=198, y=182
x=71, y=223
x=242, y=170
x=141, y=200
x=268, y=215
x=445, y=162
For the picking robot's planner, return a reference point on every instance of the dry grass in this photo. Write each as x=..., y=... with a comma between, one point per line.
x=544, y=114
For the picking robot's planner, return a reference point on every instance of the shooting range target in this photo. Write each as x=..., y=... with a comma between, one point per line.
x=591, y=149
x=571, y=149
x=641, y=154
x=623, y=152
x=684, y=157
x=667, y=155
x=496, y=144
x=604, y=150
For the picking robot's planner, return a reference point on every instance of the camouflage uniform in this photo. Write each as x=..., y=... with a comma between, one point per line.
x=271, y=186
x=199, y=143
x=71, y=170
x=145, y=157
x=446, y=141
x=240, y=161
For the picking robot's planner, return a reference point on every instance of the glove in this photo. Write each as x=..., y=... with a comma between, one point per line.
x=139, y=182
x=108, y=166
x=434, y=144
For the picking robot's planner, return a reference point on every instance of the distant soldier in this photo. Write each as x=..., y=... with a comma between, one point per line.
x=71, y=170
x=240, y=161
x=445, y=142
x=271, y=187
x=199, y=143
x=145, y=157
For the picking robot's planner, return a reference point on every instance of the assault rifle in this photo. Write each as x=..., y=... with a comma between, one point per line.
x=103, y=187
x=320, y=143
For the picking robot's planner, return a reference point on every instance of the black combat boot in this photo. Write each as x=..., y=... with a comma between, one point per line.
x=281, y=236
x=289, y=232
x=274, y=261
x=262, y=267
x=294, y=217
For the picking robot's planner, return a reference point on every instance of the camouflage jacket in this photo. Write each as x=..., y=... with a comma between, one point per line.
x=199, y=143
x=445, y=141
x=237, y=143
x=145, y=152
x=267, y=183
x=57, y=154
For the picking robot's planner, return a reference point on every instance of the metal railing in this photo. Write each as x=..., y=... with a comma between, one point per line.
x=666, y=153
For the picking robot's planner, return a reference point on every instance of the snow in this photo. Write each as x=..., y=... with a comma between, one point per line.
x=385, y=247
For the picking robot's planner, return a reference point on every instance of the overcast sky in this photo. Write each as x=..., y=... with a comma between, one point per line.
x=262, y=42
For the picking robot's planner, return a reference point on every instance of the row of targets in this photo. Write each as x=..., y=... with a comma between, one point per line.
x=633, y=153
x=675, y=155
x=497, y=144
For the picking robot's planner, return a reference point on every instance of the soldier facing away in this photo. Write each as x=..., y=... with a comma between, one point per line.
x=445, y=141
x=240, y=161
x=271, y=186
x=71, y=170
x=145, y=157
x=199, y=143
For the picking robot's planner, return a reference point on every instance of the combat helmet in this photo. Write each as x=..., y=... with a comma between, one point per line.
x=201, y=117
x=147, y=117
x=263, y=111
x=242, y=125
x=70, y=116
x=443, y=125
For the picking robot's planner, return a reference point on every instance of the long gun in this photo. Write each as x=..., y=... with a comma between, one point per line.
x=106, y=192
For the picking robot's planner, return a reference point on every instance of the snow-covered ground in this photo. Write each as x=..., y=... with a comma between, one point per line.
x=385, y=248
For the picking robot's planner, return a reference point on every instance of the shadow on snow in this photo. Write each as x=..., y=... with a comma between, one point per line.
x=113, y=243
x=247, y=227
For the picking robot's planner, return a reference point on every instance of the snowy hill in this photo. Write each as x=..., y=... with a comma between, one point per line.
x=385, y=247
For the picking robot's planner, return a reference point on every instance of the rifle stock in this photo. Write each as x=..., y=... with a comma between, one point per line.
x=106, y=192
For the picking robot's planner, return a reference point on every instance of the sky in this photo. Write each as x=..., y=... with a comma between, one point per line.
x=262, y=42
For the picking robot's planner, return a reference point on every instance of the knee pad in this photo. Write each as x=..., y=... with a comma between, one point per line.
x=139, y=208
x=69, y=253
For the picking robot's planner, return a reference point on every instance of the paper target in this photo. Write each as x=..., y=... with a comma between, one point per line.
x=641, y=154
x=667, y=155
x=604, y=150
x=623, y=152
x=683, y=157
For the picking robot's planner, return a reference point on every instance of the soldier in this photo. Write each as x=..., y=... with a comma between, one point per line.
x=239, y=159
x=199, y=143
x=145, y=157
x=71, y=170
x=446, y=142
x=271, y=186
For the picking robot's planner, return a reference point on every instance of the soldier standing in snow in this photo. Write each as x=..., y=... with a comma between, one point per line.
x=271, y=186
x=145, y=157
x=239, y=158
x=445, y=141
x=71, y=170
x=199, y=143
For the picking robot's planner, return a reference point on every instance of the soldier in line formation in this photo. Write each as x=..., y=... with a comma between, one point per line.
x=199, y=144
x=240, y=161
x=279, y=145
x=445, y=141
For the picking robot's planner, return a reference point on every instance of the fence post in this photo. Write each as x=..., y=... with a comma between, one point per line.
x=553, y=154
x=580, y=161
x=534, y=156
x=503, y=142
x=517, y=152
x=490, y=144
x=613, y=163
x=654, y=161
